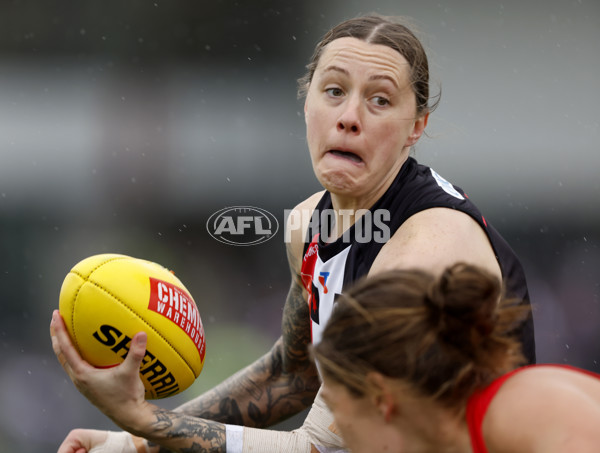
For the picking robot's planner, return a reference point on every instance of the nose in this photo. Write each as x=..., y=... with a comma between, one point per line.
x=349, y=120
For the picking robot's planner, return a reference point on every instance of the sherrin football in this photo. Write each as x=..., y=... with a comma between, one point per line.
x=106, y=299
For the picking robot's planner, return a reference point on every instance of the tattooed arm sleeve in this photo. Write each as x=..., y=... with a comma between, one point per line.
x=276, y=386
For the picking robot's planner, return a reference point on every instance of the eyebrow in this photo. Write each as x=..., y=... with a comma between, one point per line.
x=373, y=77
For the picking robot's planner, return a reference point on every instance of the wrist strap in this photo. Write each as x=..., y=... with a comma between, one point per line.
x=116, y=442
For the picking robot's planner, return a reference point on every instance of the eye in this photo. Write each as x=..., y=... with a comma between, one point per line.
x=380, y=101
x=334, y=92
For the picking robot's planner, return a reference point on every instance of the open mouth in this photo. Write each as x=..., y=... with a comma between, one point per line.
x=346, y=155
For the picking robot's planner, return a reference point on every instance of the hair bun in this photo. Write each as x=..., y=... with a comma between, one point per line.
x=462, y=305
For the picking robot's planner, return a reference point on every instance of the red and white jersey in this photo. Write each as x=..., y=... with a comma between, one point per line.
x=323, y=280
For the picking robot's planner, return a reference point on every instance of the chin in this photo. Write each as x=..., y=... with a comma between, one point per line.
x=338, y=183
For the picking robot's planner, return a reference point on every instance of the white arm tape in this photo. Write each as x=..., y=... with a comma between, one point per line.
x=320, y=428
x=116, y=442
x=316, y=432
x=234, y=438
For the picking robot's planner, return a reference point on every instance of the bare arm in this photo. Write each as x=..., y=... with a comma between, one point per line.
x=544, y=410
x=435, y=239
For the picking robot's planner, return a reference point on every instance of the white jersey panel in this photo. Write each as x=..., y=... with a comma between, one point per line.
x=328, y=279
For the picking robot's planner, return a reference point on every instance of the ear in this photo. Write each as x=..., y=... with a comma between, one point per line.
x=418, y=129
x=383, y=397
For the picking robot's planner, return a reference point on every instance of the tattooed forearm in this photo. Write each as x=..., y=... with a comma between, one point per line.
x=184, y=433
x=295, y=327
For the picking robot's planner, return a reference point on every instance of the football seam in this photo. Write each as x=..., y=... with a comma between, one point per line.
x=85, y=279
x=131, y=310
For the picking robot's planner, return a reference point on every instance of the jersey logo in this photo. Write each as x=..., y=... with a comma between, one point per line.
x=308, y=268
x=323, y=281
x=446, y=186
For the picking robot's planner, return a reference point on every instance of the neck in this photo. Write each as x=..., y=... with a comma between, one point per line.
x=453, y=435
x=437, y=430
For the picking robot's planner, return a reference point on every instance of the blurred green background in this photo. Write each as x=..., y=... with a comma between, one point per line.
x=125, y=124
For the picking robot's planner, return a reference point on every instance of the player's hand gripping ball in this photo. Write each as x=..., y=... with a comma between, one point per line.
x=106, y=299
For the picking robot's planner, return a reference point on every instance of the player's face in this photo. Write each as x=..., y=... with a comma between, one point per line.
x=361, y=118
x=358, y=420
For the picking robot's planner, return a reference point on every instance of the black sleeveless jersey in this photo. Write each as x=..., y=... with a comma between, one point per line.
x=329, y=267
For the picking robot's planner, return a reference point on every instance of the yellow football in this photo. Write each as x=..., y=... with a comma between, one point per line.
x=106, y=299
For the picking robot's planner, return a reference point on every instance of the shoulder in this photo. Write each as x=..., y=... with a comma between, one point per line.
x=436, y=238
x=296, y=227
x=546, y=409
